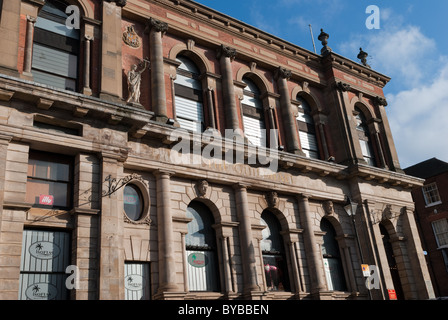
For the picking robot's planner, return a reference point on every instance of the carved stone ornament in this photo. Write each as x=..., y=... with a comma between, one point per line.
x=272, y=199
x=328, y=207
x=131, y=38
x=202, y=187
x=146, y=220
x=227, y=52
x=134, y=78
x=120, y=3
x=157, y=25
x=283, y=73
x=380, y=101
x=343, y=86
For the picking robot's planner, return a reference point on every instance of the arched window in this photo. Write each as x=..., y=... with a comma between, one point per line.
x=188, y=96
x=55, y=48
x=334, y=271
x=307, y=130
x=200, y=244
x=364, y=137
x=274, y=259
x=253, y=114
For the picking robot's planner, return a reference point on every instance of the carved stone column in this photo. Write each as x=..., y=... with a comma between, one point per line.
x=167, y=270
x=156, y=31
x=312, y=249
x=226, y=55
x=87, y=90
x=30, y=21
x=246, y=241
x=292, y=136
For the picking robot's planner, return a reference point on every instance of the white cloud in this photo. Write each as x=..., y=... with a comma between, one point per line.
x=418, y=118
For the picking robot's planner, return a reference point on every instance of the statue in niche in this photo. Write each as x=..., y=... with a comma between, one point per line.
x=134, y=80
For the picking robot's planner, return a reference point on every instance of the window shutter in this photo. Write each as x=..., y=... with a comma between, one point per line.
x=255, y=131
x=189, y=114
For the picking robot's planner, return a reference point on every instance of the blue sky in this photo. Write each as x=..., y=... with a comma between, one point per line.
x=411, y=47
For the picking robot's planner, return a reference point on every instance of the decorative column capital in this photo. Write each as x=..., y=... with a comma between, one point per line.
x=227, y=52
x=119, y=3
x=380, y=101
x=157, y=25
x=343, y=86
x=31, y=19
x=283, y=73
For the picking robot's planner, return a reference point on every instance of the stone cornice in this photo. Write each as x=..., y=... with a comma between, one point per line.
x=261, y=38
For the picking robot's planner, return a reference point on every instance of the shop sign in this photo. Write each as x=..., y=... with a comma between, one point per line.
x=45, y=199
x=41, y=291
x=44, y=250
x=134, y=282
x=392, y=294
x=197, y=260
x=365, y=270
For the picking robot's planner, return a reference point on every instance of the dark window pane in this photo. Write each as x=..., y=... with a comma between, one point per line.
x=133, y=202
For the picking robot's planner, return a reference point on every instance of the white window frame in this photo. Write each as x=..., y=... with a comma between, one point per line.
x=427, y=189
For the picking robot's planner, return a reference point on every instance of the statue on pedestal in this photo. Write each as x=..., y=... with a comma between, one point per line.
x=134, y=80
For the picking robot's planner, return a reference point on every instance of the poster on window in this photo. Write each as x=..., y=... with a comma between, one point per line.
x=44, y=259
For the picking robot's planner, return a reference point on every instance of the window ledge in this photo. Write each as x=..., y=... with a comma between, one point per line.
x=433, y=204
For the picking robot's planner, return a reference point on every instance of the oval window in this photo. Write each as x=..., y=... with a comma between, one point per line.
x=133, y=202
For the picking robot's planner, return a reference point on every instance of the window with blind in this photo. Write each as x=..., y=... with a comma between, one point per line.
x=200, y=241
x=334, y=271
x=364, y=138
x=188, y=97
x=49, y=181
x=253, y=114
x=44, y=259
x=55, y=48
x=274, y=258
x=307, y=130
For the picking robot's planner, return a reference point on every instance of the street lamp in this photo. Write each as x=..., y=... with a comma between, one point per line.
x=350, y=207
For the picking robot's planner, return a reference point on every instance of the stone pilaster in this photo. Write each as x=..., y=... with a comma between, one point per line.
x=111, y=281
x=111, y=64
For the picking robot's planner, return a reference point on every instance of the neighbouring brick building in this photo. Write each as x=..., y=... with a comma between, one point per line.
x=431, y=210
x=90, y=179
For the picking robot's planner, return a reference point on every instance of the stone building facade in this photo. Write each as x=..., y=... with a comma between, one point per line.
x=96, y=204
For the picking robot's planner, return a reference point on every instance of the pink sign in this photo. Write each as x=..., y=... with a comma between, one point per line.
x=46, y=199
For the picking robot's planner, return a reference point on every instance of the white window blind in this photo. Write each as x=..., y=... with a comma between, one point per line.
x=255, y=131
x=189, y=114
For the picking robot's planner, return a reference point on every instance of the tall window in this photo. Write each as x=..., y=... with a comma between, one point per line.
x=334, y=271
x=202, y=267
x=274, y=259
x=364, y=138
x=431, y=194
x=440, y=228
x=393, y=267
x=188, y=96
x=253, y=114
x=307, y=130
x=50, y=180
x=55, y=48
x=45, y=257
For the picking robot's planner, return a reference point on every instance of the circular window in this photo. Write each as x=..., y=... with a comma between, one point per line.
x=133, y=202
